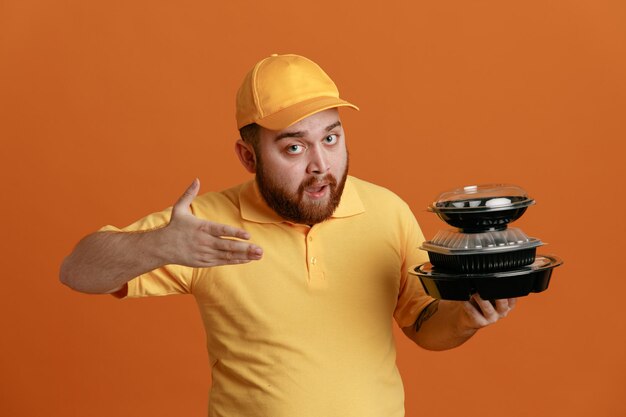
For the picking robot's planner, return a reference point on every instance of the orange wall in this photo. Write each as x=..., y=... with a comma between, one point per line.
x=108, y=109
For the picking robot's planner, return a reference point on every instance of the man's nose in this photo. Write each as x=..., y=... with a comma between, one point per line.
x=318, y=160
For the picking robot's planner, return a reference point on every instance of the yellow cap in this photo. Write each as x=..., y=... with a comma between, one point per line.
x=283, y=89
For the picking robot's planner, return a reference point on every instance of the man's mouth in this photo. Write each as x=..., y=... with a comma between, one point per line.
x=317, y=190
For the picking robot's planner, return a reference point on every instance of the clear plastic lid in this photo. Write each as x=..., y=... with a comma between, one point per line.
x=485, y=197
x=454, y=242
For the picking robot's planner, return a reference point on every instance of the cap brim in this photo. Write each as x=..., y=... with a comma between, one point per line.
x=293, y=114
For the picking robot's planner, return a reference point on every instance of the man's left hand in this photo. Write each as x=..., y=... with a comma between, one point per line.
x=478, y=313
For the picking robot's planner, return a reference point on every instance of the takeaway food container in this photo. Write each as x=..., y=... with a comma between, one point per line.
x=477, y=208
x=483, y=254
x=488, y=251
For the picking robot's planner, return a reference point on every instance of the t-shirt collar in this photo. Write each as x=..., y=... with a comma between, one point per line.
x=254, y=207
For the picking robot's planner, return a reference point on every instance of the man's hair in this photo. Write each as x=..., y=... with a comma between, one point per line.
x=250, y=134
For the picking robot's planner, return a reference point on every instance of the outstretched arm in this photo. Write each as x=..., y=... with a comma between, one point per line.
x=447, y=324
x=104, y=262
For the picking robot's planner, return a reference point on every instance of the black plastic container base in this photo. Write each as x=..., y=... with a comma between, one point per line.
x=482, y=262
x=490, y=286
x=472, y=222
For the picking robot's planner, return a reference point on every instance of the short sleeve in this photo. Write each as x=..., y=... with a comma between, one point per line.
x=412, y=298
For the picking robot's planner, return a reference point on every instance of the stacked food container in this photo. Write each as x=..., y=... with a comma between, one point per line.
x=483, y=254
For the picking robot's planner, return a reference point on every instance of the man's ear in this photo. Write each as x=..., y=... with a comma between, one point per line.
x=246, y=155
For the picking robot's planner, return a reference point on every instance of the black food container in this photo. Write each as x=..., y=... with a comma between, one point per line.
x=484, y=255
x=478, y=208
x=490, y=286
x=489, y=251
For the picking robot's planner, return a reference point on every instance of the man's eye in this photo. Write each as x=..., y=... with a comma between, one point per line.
x=330, y=139
x=295, y=149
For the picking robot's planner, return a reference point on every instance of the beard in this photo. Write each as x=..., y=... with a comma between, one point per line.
x=293, y=206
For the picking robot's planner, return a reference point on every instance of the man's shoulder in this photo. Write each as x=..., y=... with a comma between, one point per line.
x=374, y=193
x=218, y=203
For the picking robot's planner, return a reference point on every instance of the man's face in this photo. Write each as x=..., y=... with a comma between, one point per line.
x=301, y=170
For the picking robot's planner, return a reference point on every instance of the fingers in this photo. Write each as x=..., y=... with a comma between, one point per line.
x=217, y=245
x=231, y=255
x=227, y=249
x=224, y=230
x=484, y=306
x=185, y=200
x=504, y=306
x=485, y=312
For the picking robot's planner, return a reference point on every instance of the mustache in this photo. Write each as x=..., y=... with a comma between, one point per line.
x=326, y=179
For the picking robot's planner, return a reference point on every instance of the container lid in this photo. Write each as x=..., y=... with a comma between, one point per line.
x=542, y=262
x=453, y=242
x=481, y=198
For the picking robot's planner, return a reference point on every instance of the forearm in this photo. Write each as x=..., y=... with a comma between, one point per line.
x=448, y=324
x=104, y=261
x=440, y=327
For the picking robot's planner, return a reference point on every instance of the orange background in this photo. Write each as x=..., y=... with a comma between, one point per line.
x=108, y=109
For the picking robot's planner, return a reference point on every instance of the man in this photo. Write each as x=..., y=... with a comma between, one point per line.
x=297, y=273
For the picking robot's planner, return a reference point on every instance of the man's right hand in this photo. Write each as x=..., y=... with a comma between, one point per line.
x=103, y=262
x=200, y=243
